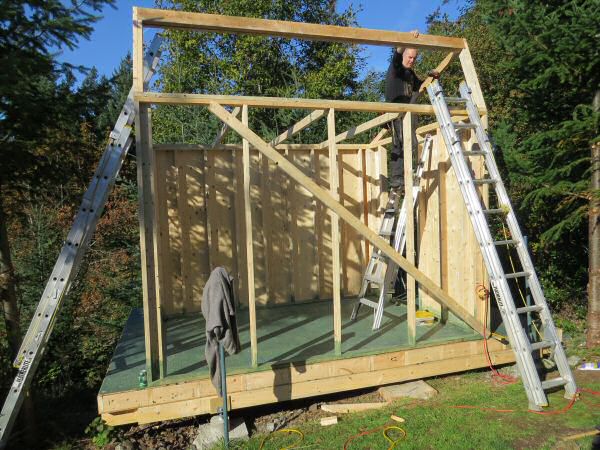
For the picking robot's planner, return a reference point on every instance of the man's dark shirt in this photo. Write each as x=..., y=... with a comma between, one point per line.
x=401, y=84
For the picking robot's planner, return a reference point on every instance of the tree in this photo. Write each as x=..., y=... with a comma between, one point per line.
x=253, y=65
x=551, y=58
x=30, y=31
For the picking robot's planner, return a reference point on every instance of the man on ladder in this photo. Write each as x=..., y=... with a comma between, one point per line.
x=402, y=85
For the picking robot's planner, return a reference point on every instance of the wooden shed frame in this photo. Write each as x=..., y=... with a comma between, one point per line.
x=450, y=357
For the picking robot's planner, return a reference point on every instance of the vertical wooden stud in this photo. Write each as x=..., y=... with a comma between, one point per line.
x=335, y=234
x=138, y=53
x=249, y=240
x=153, y=330
x=411, y=306
x=470, y=74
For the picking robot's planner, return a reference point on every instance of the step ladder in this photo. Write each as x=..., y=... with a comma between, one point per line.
x=381, y=272
x=73, y=250
x=482, y=217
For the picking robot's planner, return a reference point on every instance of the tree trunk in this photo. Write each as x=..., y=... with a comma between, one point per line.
x=7, y=288
x=593, y=316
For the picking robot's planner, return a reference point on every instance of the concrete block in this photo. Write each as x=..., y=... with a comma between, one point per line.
x=211, y=433
x=414, y=389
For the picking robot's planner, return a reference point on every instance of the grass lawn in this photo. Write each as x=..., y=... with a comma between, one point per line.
x=436, y=424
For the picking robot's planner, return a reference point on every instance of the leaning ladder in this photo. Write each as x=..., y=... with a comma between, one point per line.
x=480, y=216
x=381, y=272
x=71, y=255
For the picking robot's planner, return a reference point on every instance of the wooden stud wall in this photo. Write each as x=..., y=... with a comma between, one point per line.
x=201, y=215
x=448, y=251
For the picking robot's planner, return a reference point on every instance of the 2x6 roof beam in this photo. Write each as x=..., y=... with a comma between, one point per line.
x=158, y=18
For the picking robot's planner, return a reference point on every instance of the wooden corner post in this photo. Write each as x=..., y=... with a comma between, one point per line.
x=335, y=233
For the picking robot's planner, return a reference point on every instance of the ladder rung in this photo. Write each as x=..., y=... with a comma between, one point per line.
x=369, y=303
x=555, y=382
x=455, y=100
x=494, y=211
x=465, y=126
x=374, y=279
x=526, y=309
x=518, y=275
x=474, y=153
x=385, y=233
x=390, y=211
x=506, y=242
x=485, y=181
x=541, y=344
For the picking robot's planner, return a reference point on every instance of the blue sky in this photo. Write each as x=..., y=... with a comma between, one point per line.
x=112, y=36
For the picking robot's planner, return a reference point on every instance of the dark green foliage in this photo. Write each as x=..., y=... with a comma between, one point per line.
x=256, y=65
x=538, y=67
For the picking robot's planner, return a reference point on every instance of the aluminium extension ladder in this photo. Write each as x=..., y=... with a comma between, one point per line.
x=73, y=250
x=381, y=272
x=481, y=216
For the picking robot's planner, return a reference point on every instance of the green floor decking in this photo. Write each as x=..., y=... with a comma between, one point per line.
x=286, y=334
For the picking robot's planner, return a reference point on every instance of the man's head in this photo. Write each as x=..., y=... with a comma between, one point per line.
x=409, y=57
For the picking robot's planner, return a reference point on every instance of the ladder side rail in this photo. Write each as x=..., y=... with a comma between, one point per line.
x=118, y=138
x=498, y=279
x=34, y=349
x=68, y=262
x=515, y=230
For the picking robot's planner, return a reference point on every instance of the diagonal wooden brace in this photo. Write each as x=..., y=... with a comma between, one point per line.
x=327, y=199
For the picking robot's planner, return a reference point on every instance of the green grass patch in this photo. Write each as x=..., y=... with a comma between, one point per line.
x=438, y=424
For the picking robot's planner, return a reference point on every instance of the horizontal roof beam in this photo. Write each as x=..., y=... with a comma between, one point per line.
x=287, y=103
x=159, y=18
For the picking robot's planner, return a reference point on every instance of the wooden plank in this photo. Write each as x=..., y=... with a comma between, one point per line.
x=379, y=136
x=287, y=103
x=224, y=129
x=169, y=254
x=281, y=375
x=376, y=122
x=329, y=201
x=298, y=30
x=411, y=305
x=298, y=127
x=471, y=78
x=351, y=197
x=199, y=264
x=335, y=233
x=285, y=147
x=153, y=329
x=344, y=408
x=138, y=53
x=249, y=241
x=122, y=412
x=182, y=163
x=440, y=68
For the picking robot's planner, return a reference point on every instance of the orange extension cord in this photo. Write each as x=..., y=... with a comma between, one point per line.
x=502, y=379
